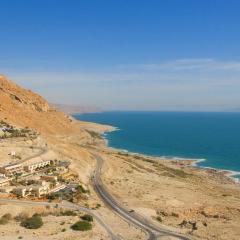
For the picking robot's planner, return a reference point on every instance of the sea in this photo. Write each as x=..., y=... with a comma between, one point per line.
x=213, y=139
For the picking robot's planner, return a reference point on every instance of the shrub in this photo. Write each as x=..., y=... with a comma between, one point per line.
x=81, y=226
x=87, y=218
x=21, y=216
x=98, y=205
x=80, y=189
x=68, y=213
x=7, y=216
x=3, y=221
x=53, y=196
x=34, y=222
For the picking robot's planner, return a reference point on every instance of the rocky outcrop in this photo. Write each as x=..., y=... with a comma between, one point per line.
x=22, y=96
x=23, y=108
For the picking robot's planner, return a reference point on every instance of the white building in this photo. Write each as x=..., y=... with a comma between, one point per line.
x=4, y=181
x=6, y=189
x=32, y=167
x=38, y=190
x=11, y=169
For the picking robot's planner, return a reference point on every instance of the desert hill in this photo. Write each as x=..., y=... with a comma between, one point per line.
x=24, y=108
x=22, y=96
x=64, y=135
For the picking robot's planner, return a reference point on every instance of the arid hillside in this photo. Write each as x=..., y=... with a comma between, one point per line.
x=24, y=108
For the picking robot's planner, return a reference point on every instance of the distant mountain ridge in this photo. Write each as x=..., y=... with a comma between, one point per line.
x=71, y=109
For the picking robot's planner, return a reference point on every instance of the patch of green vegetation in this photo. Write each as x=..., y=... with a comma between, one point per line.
x=68, y=213
x=171, y=172
x=179, y=173
x=87, y=218
x=12, y=132
x=98, y=205
x=81, y=189
x=145, y=159
x=3, y=221
x=4, y=124
x=16, y=133
x=51, y=197
x=94, y=134
x=159, y=219
x=82, y=226
x=25, y=130
x=33, y=222
x=5, y=218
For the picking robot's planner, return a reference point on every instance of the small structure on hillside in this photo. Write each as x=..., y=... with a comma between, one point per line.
x=34, y=166
x=11, y=169
x=2, y=133
x=13, y=154
x=37, y=190
x=4, y=181
x=49, y=178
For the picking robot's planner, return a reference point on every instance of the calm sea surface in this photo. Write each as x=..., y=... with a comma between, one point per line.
x=214, y=137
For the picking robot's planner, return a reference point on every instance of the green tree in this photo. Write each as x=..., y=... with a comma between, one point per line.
x=82, y=226
x=33, y=222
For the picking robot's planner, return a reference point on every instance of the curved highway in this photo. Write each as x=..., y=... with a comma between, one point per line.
x=151, y=230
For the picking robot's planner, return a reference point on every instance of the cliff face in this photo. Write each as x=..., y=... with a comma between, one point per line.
x=24, y=108
x=20, y=96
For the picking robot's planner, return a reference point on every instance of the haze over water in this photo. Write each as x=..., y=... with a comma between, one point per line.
x=214, y=137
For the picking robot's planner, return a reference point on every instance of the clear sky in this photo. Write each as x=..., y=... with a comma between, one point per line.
x=125, y=54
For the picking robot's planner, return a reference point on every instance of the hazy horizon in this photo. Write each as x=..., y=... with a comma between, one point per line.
x=138, y=55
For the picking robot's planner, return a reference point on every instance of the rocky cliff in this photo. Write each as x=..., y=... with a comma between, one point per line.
x=25, y=108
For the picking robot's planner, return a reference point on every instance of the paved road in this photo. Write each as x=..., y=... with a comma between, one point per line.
x=153, y=232
x=66, y=205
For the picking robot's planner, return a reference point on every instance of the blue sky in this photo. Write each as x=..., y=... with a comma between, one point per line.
x=125, y=55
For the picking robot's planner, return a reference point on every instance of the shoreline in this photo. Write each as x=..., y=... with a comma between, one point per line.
x=193, y=161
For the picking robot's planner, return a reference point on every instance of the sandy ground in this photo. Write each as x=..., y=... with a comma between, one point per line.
x=174, y=193
x=52, y=228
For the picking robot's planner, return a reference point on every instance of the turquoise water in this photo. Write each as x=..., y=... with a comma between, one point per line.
x=214, y=137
